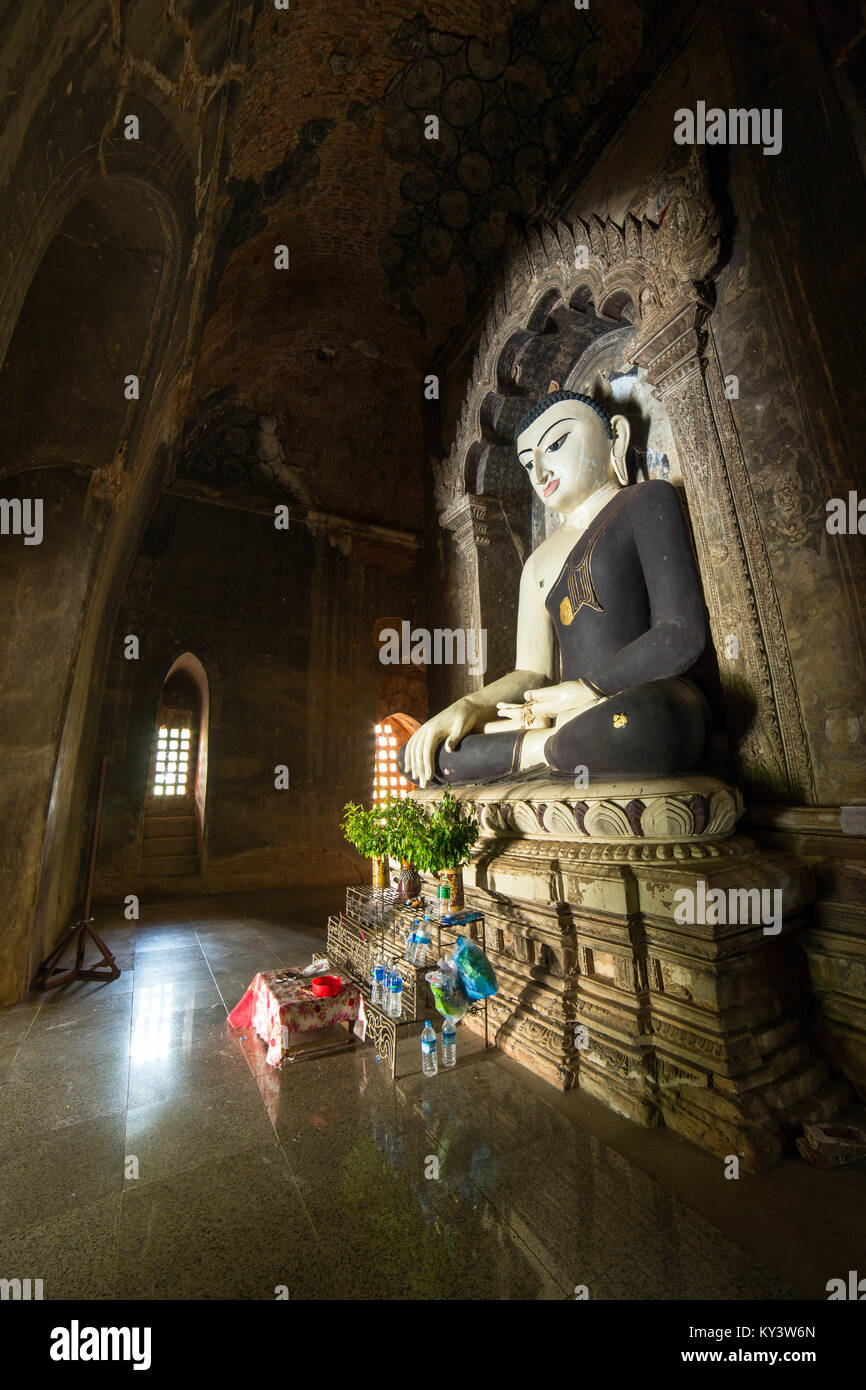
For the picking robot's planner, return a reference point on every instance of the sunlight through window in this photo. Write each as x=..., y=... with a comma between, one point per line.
x=171, y=769
x=388, y=782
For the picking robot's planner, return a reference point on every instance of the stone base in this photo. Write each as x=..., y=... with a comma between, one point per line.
x=832, y=841
x=697, y=1024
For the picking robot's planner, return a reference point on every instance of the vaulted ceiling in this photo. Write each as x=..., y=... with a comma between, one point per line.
x=309, y=379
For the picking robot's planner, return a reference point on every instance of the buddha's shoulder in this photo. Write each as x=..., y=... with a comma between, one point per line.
x=655, y=495
x=654, y=501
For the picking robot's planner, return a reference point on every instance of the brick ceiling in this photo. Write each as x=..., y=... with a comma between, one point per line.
x=392, y=238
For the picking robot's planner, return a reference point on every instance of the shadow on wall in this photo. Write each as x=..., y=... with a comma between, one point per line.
x=71, y=434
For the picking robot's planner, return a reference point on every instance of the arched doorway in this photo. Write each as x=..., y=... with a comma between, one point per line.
x=190, y=668
x=175, y=801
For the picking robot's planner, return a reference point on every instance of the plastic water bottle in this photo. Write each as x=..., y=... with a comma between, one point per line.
x=395, y=1008
x=396, y=994
x=378, y=983
x=449, y=1043
x=385, y=996
x=386, y=986
x=422, y=945
x=383, y=979
x=411, y=944
x=429, y=1065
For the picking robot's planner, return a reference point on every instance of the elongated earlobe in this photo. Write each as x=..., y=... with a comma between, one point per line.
x=619, y=448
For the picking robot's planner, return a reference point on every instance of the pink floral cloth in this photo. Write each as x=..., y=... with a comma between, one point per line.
x=276, y=1008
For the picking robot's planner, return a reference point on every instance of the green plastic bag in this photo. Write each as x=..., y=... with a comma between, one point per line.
x=448, y=993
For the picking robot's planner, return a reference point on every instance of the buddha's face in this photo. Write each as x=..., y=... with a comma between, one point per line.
x=568, y=455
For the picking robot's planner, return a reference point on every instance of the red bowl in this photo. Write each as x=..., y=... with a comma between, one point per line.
x=326, y=985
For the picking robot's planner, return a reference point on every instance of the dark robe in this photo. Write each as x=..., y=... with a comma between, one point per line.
x=630, y=619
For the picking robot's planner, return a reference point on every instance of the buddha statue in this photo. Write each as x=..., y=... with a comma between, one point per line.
x=616, y=590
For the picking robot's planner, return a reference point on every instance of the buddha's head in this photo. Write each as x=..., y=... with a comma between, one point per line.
x=570, y=448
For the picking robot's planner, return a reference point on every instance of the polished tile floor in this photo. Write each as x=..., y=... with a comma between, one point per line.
x=147, y=1151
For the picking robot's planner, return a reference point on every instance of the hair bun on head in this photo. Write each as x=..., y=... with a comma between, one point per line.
x=553, y=398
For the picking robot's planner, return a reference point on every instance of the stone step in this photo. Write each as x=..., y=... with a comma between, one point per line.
x=827, y=1104
x=170, y=866
x=790, y=1060
x=157, y=826
x=166, y=846
x=798, y=1087
x=776, y=1036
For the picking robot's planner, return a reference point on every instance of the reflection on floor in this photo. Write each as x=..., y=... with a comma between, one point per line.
x=147, y=1151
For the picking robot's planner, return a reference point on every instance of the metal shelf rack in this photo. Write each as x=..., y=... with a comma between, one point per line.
x=377, y=919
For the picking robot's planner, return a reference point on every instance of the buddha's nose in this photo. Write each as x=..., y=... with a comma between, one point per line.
x=540, y=463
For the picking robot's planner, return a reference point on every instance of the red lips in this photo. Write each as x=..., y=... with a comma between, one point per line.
x=551, y=487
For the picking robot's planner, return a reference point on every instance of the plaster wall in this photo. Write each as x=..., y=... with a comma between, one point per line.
x=282, y=622
x=72, y=188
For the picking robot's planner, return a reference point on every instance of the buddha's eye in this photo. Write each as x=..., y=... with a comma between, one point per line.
x=528, y=466
x=552, y=448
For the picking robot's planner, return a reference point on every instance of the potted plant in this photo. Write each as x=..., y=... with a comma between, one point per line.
x=367, y=830
x=406, y=828
x=446, y=845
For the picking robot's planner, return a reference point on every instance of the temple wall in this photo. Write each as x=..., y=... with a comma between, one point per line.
x=283, y=623
x=101, y=258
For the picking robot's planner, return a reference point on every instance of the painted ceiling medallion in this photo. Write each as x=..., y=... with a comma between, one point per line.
x=514, y=103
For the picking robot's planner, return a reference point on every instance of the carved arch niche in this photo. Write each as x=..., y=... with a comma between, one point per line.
x=649, y=284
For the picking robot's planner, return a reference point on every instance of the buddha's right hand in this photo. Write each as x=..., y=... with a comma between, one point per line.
x=449, y=728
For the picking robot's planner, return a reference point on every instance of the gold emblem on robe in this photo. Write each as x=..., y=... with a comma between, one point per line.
x=578, y=575
x=581, y=591
x=619, y=720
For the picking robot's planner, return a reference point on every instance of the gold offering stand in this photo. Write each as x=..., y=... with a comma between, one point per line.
x=378, y=919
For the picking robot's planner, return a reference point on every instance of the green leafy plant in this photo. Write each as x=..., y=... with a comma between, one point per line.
x=447, y=838
x=442, y=840
x=366, y=829
x=407, y=826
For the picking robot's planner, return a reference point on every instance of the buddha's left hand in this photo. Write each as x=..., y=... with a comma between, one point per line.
x=549, y=701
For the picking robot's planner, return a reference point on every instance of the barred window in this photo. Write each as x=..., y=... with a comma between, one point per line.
x=172, y=772
x=389, y=784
